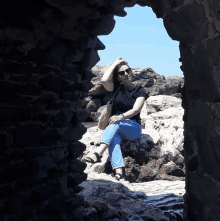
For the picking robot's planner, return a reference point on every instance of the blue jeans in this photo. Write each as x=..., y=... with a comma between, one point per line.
x=113, y=135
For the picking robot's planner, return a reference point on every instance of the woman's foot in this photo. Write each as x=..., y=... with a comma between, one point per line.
x=94, y=158
x=118, y=176
x=119, y=173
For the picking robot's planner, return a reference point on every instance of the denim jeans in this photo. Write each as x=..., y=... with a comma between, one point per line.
x=113, y=135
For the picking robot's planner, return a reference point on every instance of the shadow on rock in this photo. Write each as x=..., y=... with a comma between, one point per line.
x=106, y=200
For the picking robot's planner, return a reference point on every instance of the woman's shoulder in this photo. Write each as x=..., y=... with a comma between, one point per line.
x=140, y=91
x=139, y=87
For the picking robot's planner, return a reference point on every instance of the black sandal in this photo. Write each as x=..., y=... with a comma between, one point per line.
x=120, y=176
x=90, y=160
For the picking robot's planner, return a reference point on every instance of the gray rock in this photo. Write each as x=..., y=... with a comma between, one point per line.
x=114, y=201
x=97, y=90
x=93, y=105
x=95, y=115
x=161, y=102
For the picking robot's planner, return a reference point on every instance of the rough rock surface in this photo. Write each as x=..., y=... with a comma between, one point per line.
x=107, y=199
x=159, y=103
x=165, y=121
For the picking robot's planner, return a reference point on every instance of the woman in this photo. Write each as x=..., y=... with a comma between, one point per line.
x=125, y=120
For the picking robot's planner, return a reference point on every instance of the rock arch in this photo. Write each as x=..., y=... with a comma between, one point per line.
x=47, y=49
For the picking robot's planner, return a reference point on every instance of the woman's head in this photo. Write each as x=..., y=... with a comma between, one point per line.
x=120, y=71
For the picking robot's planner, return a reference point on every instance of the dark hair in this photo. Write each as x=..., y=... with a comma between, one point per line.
x=115, y=74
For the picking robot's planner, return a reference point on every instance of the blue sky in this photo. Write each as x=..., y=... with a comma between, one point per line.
x=141, y=39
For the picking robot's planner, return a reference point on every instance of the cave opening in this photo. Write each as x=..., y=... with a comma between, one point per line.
x=177, y=172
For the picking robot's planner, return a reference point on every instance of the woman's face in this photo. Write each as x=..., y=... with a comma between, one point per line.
x=125, y=74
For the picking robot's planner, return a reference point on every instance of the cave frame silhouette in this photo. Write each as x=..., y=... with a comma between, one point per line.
x=47, y=53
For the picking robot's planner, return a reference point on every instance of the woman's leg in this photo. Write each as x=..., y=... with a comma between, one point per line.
x=115, y=154
x=119, y=170
x=100, y=151
x=112, y=137
x=129, y=130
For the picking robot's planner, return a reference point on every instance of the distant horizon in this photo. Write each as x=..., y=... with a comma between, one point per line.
x=141, y=39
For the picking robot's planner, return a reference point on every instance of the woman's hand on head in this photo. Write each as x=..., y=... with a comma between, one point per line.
x=115, y=118
x=119, y=61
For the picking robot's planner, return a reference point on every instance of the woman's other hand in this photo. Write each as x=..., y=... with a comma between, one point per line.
x=115, y=118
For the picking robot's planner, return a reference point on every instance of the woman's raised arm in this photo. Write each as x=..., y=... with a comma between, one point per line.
x=107, y=76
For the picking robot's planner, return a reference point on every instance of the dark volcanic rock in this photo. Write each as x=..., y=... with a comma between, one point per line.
x=114, y=201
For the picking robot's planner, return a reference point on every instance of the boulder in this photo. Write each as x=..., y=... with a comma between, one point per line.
x=93, y=105
x=95, y=115
x=97, y=90
x=167, y=127
x=86, y=101
x=161, y=102
x=106, y=200
x=98, y=71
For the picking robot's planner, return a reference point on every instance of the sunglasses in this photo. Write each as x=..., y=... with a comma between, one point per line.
x=123, y=72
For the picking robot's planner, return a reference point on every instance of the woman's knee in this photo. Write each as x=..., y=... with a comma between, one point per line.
x=109, y=133
x=112, y=126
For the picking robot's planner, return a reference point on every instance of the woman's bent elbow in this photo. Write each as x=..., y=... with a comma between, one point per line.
x=137, y=111
x=108, y=85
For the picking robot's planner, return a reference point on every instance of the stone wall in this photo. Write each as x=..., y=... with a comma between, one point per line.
x=45, y=71
x=47, y=50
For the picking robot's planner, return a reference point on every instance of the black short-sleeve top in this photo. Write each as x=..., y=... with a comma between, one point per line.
x=125, y=100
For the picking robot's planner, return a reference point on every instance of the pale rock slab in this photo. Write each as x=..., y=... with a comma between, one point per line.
x=166, y=127
x=161, y=102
